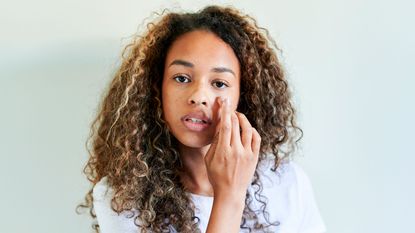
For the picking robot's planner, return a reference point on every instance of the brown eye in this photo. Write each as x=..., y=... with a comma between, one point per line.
x=181, y=79
x=220, y=84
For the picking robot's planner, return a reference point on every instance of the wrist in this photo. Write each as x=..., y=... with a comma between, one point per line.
x=235, y=200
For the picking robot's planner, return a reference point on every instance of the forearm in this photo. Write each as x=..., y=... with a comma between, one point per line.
x=226, y=215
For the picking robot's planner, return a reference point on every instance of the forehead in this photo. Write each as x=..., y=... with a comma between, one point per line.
x=204, y=49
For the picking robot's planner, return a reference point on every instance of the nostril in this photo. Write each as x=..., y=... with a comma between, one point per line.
x=198, y=102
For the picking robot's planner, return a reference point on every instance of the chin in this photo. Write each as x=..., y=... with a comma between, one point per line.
x=193, y=141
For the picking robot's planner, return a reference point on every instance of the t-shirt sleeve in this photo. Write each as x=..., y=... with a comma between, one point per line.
x=110, y=221
x=311, y=221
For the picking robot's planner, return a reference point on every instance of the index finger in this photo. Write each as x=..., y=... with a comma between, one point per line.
x=225, y=124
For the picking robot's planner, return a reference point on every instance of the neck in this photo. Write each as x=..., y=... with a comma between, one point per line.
x=195, y=176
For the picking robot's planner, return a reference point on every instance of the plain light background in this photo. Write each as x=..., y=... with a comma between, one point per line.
x=350, y=64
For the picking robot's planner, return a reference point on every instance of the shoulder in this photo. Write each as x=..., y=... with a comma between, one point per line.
x=101, y=190
x=289, y=180
x=290, y=197
x=108, y=219
x=288, y=173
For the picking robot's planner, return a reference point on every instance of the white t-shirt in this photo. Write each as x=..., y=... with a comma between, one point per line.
x=290, y=202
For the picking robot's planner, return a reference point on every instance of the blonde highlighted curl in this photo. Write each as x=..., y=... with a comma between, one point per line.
x=131, y=145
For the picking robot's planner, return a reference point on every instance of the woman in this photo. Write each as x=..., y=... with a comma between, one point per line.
x=195, y=134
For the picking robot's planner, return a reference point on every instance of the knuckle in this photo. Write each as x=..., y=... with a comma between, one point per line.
x=226, y=152
x=240, y=151
x=256, y=133
x=234, y=119
x=249, y=130
x=244, y=119
x=226, y=127
x=241, y=114
x=259, y=138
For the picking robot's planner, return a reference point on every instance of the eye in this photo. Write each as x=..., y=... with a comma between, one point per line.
x=181, y=79
x=220, y=84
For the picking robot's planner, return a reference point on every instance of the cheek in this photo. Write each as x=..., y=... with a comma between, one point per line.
x=165, y=103
x=215, y=110
x=234, y=98
x=170, y=105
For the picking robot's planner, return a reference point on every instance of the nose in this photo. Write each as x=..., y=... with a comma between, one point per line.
x=199, y=95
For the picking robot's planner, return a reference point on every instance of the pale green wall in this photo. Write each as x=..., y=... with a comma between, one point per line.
x=351, y=64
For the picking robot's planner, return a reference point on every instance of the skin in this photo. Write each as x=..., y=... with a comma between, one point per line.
x=202, y=74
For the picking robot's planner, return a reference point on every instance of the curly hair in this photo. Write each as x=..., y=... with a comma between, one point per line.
x=131, y=145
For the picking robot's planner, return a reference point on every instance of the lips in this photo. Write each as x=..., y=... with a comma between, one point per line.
x=197, y=117
x=196, y=121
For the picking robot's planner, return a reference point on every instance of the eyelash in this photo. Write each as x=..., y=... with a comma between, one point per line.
x=188, y=80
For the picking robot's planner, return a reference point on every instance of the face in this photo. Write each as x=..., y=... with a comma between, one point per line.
x=199, y=69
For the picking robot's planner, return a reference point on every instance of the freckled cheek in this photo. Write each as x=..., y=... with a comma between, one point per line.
x=215, y=110
x=169, y=102
x=173, y=107
x=167, y=106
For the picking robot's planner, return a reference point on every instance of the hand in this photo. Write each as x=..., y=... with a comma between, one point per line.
x=233, y=155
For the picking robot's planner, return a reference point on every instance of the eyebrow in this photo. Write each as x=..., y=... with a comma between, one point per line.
x=191, y=65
